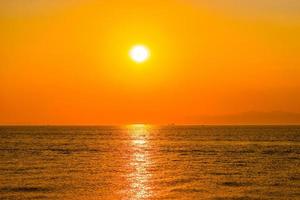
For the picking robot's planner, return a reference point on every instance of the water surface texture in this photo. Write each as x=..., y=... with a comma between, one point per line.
x=147, y=162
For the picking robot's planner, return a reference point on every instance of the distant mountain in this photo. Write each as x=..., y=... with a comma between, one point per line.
x=253, y=117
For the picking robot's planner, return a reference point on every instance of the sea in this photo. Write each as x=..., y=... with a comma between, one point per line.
x=147, y=162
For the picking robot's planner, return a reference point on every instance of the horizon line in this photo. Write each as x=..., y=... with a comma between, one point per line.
x=149, y=124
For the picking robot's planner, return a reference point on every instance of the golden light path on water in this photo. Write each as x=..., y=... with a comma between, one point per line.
x=140, y=162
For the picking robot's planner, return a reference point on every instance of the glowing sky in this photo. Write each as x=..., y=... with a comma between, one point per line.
x=66, y=62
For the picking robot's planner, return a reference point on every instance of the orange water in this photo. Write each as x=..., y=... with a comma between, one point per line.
x=148, y=162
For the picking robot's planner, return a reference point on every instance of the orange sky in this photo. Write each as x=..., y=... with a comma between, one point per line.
x=66, y=62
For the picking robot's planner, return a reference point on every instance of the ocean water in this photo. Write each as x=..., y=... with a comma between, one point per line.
x=148, y=162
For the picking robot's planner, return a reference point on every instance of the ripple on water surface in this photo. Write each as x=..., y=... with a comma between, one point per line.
x=147, y=162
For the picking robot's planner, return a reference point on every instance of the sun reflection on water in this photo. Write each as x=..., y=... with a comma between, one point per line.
x=139, y=162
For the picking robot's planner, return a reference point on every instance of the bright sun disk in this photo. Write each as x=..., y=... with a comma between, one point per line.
x=139, y=53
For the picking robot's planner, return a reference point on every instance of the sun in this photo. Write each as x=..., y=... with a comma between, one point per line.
x=139, y=53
